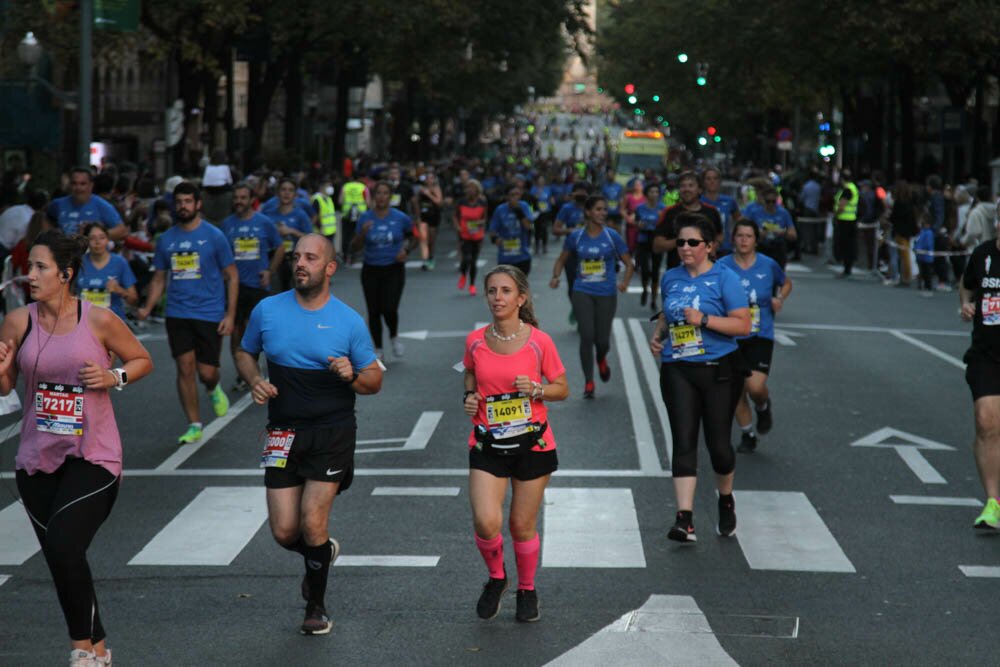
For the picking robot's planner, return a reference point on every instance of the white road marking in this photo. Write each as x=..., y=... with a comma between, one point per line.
x=416, y=491
x=17, y=538
x=954, y=361
x=387, y=561
x=869, y=329
x=4, y=578
x=785, y=337
x=908, y=450
x=11, y=431
x=459, y=367
x=795, y=267
x=981, y=571
x=211, y=530
x=920, y=466
x=649, y=460
x=373, y=472
x=666, y=630
x=574, y=516
x=781, y=530
x=184, y=452
x=424, y=334
x=942, y=501
x=418, y=438
x=652, y=373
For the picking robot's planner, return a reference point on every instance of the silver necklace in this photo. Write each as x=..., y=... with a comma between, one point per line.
x=506, y=339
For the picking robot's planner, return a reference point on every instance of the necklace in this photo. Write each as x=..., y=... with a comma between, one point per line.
x=506, y=339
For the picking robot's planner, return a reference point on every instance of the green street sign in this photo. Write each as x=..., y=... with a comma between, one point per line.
x=120, y=15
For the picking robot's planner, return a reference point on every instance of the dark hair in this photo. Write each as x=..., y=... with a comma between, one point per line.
x=708, y=169
x=243, y=185
x=650, y=186
x=527, y=311
x=510, y=187
x=286, y=179
x=67, y=251
x=123, y=184
x=698, y=221
x=38, y=199
x=145, y=188
x=381, y=184
x=689, y=176
x=82, y=170
x=103, y=183
x=89, y=227
x=187, y=188
x=592, y=201
x=747, y=222
x=581, y=185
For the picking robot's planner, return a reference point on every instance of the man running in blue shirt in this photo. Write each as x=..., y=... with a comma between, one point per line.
x=72, y=212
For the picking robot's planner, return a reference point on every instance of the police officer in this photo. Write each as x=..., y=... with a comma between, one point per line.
x=845, y=226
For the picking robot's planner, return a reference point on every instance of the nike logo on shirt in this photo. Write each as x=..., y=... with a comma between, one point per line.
x=321, y=326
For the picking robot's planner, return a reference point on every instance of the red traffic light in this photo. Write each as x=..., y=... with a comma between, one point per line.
x=711, y=130
x=629, y=88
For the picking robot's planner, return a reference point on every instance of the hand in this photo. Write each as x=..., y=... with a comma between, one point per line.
x=692, y=316
x=523, y=384
x=622, y=287
x=226, y=325
x=113, y=286
x=365, y=228
x=656, y=345
x=7, y=354
x=142, y=313
x=777, y=304
x=471, y=405
x=265, y=278
x=401, y=255
x=968, y=312
x=342, y=367
x=94, y=377
x=283, y=229
x=262, y=391
x=554, y=282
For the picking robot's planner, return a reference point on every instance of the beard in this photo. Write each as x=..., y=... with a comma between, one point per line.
x=184, y=215
x=308, y=285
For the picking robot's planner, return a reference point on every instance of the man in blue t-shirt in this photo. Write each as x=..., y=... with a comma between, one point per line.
x=72, y=212
x=319, y=357
x=775, y=223
x=727, y=207
x=292, y=222
x=510, y=229
x=194, y=264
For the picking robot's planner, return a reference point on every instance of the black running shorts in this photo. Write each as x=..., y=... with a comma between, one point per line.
x=525, y=466
x=757, y=353
x=982, y=373
x=322, y=454
x=185, y=335
x=247, y=299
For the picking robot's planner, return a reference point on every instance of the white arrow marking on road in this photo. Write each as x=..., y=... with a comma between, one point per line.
x=17, y=538
x=908, y=450
x=417, y=440
x=783, y=337
x=666, y=630
x=4, y=578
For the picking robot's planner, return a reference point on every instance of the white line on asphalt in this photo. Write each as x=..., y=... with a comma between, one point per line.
x=943, y=501
x=795, y=267
x=17, y=538
x=648, y=458
x=211, y=530
x=920, y=466
x=781, y=530
x=908, y=450
x=652, y=374
x=416, y=491
x=867, y=329
x=418, y=438
x=12, y=431
x=981, y=571
x=784, y=339
x=459, y=367
x=380, y=441
x=184, y=452
x=4, y=578
x=387, y=561
x=372, y=472
x=574, y=516
x=958, y=363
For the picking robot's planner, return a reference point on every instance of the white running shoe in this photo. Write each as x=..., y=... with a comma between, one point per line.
x=397, y=347
x=80, y=658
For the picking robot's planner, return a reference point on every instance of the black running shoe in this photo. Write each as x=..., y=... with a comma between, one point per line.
x=527, y=607
x=748, y=444
x=727, y=516
x=489, y=602
x=764, y=421
x=683, y=530
x=643, y=297
x=316, y=621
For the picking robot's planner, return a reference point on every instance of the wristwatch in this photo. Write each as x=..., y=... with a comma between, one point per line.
x=468, y=392
x=704, y=319
x=121, y=377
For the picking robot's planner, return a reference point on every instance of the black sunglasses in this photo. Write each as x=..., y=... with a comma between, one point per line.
x=694, y=243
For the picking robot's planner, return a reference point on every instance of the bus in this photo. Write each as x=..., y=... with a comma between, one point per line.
x=642, y=150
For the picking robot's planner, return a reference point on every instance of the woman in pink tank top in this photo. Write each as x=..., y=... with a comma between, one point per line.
x=69, y=460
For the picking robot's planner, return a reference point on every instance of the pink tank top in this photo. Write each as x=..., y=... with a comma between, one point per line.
x=61, y=419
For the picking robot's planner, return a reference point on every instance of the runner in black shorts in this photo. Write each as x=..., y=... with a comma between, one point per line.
x=319, y=357
x=505, y=363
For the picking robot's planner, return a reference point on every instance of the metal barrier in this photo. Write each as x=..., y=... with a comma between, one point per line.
x=811, y=232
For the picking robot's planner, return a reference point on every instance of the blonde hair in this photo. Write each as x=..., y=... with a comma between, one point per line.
x=527, y=310
x=477, y=185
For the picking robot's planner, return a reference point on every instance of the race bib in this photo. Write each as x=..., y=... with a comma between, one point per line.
x=593, y=270
x=512, y=246
x=991, y=310
x=508, y=415
x=98, y=297
x=612, y=203
x=395, y=200
x=543, y=206
x=59, y=408
x=288, y=244
x=245, y=249
x=474, y=226
x=279, y=443
x=686, y=341
x=185, y=266
x=754, y=318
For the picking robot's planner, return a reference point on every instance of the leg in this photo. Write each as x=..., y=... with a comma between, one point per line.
x=605, y=307
x=209, y=375
x=526, y=499
x=370, y=283
x=424, y=246
x=756, y=387
x=463, y=267
x=744, y=419
x=395, y=280
x=683, y=402
x=474, y=260
x=657, y=258
x=584, y=308
x=719, y=403
x=317, y=500
x=486, y=496
x=986, y=446
x=432, y=233
x=283, y=516
x=905, y=269
x=187, y=389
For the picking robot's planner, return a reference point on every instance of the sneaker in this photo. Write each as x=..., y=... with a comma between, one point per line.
x=643, y=298
x=472, y=290
x=943, y=287
x=379, y=354
x=604, y=369
x=80, y=658
x=461, y=282
x=764, y=420
x=989, y=518
x=239, y=386
x=103, y=660
x=527, y=606
x=683, y=530
x=430, y=264
x=727, y=517
x=588, y=390
x=191, y=435
x=397, y=347
x=333, y=559
x=748, y=443
x=489, y=602
x=220, y=402
x=316, y=621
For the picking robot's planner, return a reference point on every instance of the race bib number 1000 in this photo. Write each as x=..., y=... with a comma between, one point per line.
x=59, y=408
x=279, y=443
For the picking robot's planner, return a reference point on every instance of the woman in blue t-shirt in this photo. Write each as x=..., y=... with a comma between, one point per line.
x=596, y=251
x=105, y=279
x=701, y=372
x=647, y=217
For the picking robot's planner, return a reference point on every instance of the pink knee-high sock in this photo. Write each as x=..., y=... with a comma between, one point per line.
x=492, y=552
x=526, y=554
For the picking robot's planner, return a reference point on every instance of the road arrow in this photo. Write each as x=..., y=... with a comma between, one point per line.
x=908, y=447
x=783, y=337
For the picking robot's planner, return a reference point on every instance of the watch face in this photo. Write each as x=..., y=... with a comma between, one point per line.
x=124, y=377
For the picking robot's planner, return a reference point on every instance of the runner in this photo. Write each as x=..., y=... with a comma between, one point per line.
x=71, y=212
x=545, y=200
x=647, y=216
x=69, y=460
x=292, y=222
x=727, y=207
x=774, y=223
x=510, y=229
x=615, y=195
x=633, y=199
x=701, y=371
x=201, y=303
x=470, y=221
x=505, y=364
x=597, y=251
x=427, y=204
x=690, y=193
x=105, y=279
x=319, y=357
x=767, y=287
x=386, y=234
x=569, y=217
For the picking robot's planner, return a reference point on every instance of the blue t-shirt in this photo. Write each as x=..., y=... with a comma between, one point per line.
x=613, y=192
x=386, y=237
x=296, y=219
x=925, y=242
x=716, y=292
x=194, y=262
x=93, y=282
x=252, y=242
x=647, y=218
x=596, y=260
x=515, y=240
x=768, y=222
x=71, y=218
x=297, y=343
x=726, y=206
x=759, y=282
x=571, y=215
x=271, y=206
x=545, y=198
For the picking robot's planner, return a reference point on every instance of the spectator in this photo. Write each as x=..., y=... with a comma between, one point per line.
x=14, y=221
x=924, y=247
x=903, y=224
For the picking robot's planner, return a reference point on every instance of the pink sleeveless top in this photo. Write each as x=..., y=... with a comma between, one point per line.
x=61, y=419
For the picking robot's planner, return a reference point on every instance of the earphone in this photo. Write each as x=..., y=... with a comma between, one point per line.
x=65, y=275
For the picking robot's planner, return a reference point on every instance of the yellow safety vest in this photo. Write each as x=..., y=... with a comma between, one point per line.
x=327, y=214
x=354, y=195
x=850, y=211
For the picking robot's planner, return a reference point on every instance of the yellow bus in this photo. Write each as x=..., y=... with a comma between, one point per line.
x=642, y=150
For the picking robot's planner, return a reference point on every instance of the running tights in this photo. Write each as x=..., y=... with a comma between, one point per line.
x=594, y=315
x=66, y=508
x=695, y=395
x=470, y=255
x=649, y=264
x=383, y=287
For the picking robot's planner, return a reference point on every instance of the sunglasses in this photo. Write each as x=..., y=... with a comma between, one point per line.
x=693, y=243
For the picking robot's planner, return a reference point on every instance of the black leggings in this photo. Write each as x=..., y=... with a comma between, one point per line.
x=542, y=231
x=845, y=242
x=697, y=392
x=594, y=316
x=383, y=287
x=470, y=255
x=66, y=508
x=649, y=264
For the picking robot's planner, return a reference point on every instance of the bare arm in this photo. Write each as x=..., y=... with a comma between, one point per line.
x=156, y=286
x=13, y=326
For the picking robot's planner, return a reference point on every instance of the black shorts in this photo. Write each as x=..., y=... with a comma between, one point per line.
x=247, y=299
x=321, y=454
x=201, y=336
x=522, y=467
x=982, y=373
x=757, y=353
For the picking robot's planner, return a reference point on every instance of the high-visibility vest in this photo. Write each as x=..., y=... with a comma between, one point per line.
x=354, y=195
x=327, y=214
x=850, y=211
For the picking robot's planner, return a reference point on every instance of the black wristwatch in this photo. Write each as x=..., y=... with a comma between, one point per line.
x=355, y=377
x=468, y=392
x=704, y=320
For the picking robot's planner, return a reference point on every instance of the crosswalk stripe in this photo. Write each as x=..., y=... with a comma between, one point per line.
x=943, y=501
x=574, y=516
x=387, y=561
x=980, y=571
x=416, y=491
x=4, y=578
x=17, y=538
x=211, y=530
x=781, y=530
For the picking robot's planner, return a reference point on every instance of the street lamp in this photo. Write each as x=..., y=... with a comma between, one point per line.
x=29, y=50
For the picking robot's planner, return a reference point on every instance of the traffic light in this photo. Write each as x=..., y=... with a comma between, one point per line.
x=717, y=138
x=632, y=99
x=702, y=141
x=629, y=89
x=656, y=98
x=711, y=130
x=824, y=126
x=682, y=57
x=702, y=69
x=701, y=80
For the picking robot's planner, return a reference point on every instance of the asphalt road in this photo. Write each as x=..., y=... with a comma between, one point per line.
x=854, y=543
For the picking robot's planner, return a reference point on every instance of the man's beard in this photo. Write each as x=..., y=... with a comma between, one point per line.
x=310, y=287
x=185, y=216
